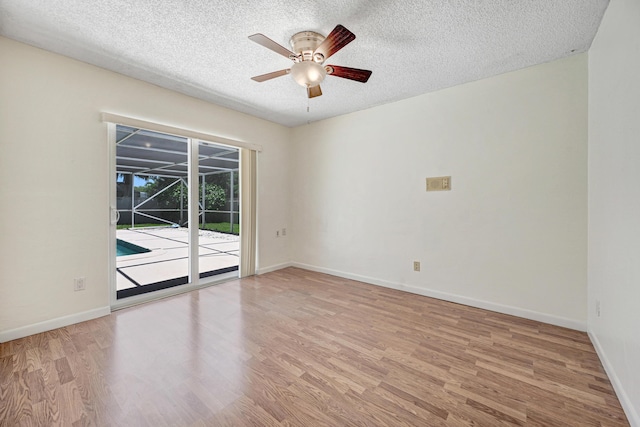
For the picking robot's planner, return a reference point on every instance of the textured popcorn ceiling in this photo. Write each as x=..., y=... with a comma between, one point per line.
x=200, y=47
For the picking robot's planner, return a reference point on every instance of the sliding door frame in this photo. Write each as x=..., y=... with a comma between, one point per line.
x=248, y=165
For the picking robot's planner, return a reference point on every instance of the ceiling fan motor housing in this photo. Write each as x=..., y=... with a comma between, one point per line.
x=305, y=43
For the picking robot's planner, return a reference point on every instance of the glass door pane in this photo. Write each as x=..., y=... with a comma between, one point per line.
x=152, y=200
x=219, y=212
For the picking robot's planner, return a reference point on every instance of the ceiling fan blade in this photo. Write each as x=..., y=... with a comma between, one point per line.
x=336, y=40
x=349, y=73
x=314, y=91
x=264, y=77
x=265, y=41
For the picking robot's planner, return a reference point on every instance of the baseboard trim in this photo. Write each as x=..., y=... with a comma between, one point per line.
x=47, y=325
x=623, y=397
x=486, y=305
x=274, y=267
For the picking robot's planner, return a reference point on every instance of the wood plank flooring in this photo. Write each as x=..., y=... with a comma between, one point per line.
x=297, y=348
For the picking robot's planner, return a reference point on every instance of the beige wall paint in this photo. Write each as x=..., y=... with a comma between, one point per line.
x=614, y=199
x=54, y=176
x=511, y=235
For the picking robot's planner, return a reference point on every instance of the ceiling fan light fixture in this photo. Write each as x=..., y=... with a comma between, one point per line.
x=308, y=73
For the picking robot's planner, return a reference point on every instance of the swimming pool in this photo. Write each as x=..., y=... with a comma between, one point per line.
x=125, y=248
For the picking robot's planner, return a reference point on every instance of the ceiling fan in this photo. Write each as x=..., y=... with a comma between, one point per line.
x=309, y=51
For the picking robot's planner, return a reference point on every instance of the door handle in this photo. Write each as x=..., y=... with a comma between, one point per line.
x=115, y=215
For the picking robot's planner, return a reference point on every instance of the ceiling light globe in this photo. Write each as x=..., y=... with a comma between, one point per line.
x=308, y=73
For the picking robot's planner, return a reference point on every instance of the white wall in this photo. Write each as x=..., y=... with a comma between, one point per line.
x=614, y=199
x=54, y=177
x=510, y=236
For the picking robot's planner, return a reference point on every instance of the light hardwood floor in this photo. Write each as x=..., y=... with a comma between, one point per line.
x=298, y=348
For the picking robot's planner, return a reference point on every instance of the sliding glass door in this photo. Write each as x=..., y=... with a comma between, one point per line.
x=163, y=183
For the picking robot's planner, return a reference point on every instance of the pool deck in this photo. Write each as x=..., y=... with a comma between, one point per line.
x=168, y=258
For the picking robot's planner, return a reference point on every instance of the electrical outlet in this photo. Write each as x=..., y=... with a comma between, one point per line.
x=416, y=265
x=79, y=284
x=277, y=233
x=598, y=308
x=284, y=232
